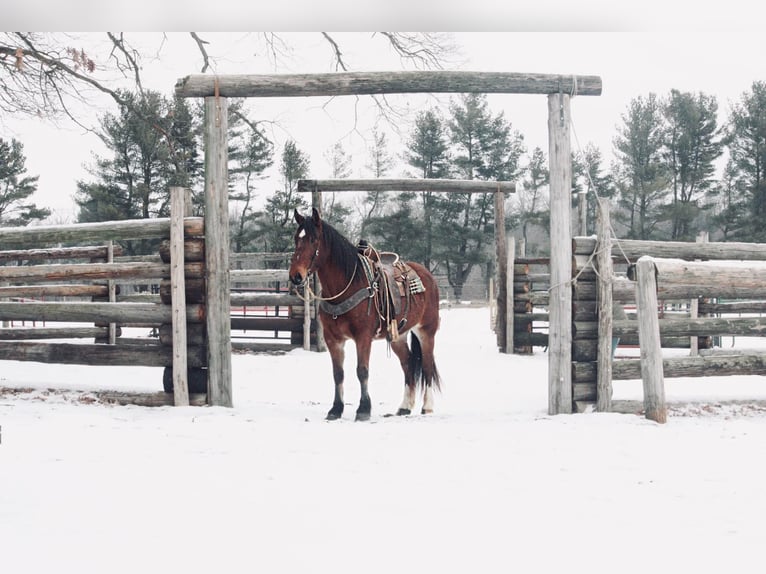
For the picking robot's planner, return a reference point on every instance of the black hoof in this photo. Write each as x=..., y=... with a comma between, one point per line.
x=425, y=412
x=362, y=416
x=333, y=416
x=402, y=412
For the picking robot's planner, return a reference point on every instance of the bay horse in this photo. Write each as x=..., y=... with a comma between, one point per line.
x=354, y=305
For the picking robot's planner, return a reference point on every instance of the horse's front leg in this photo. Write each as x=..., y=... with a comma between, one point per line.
x=363, y=345
x=337, y=354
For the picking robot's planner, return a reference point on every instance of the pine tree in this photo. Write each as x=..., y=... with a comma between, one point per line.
x=746, y=140
x=427, y=151
x=484, y=147
x=16, y=188
x=640, y=167
x=277, y=229
x=692, y=146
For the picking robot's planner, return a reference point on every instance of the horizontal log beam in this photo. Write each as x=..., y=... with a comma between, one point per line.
x=635, y=248
x=266, y=324
x=95, y=252
x=366, y=83
x=97, y=354
x=21, y=334
x=264, y=299
x=122, y=313
x=699, y=366
x=40, y=291
x=95, y=271
x=258, y=275
x=27, y=237
x=412, y=184
x=687, y=327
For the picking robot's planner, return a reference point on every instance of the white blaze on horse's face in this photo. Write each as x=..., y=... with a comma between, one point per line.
x=302, y=259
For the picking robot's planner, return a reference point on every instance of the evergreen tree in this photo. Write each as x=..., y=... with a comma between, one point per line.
x=16, y=188
x=257, y=156
x=531, y=200
x=746, y=140
x=640, y=168
x=333, y=208
x=380, y=162
x=593, y=182
x=277, y=229
x=692, y=146
x=484, y=148
x=146, y=160
x=427, y=151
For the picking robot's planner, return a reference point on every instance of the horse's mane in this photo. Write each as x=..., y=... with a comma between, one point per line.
x=343, y=253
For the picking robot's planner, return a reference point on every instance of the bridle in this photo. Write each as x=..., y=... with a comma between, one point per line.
x=307, y=285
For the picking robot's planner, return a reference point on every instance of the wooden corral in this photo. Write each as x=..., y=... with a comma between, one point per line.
x=559, y=89
x=78, y=285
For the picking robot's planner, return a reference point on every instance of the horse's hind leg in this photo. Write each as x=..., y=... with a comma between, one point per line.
x=430, y=374
x=402, y=351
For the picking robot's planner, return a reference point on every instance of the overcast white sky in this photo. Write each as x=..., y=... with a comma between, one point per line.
x=724, y=63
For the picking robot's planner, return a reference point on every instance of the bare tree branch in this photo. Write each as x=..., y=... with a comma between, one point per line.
x=201, y=45
x=339, y=63
x=131, y=56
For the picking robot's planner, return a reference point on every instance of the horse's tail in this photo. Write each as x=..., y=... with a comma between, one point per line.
x=416, y=365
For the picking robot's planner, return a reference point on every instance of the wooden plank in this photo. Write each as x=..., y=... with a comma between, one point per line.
x=64, y=290
x=635, y=248
x=21, y=333
x=649, y=335
x=259, y=275
x=102, y=231
x=178, y=296
x=560, y=304
x=261, y=299
x=93, y=252
x=95, y=354
x=95, y=312
x=217, y=251
x=410, y=184
x=605, y=303
x=94, y=271
x=365, y=83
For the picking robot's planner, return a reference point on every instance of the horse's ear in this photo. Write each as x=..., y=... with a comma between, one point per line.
x=299, y=219
x=315, y=215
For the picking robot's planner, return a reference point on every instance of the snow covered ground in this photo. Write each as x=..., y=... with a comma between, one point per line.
x=488, y=483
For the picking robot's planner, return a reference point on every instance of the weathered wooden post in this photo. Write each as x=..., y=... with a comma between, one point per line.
x=509, y=308
x=560, y=302
x=649, y=339
x=605, y=304
x=178, y=296
x=501, y=259
x=218, y=309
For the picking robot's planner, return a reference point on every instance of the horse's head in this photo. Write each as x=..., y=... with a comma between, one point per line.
x=308, y=238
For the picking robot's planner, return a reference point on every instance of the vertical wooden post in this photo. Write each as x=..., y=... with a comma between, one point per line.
x=605, y=303
x=509, y=318
x=702, y=237
x=560, y=305
x=652, y=374
x=112, y=291
x=178, y=297
x=218, y=306
x=502, y=285
x=316, y=202
x=582, y=213
x=492, y=306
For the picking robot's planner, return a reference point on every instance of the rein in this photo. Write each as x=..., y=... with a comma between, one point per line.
x=311, y=294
